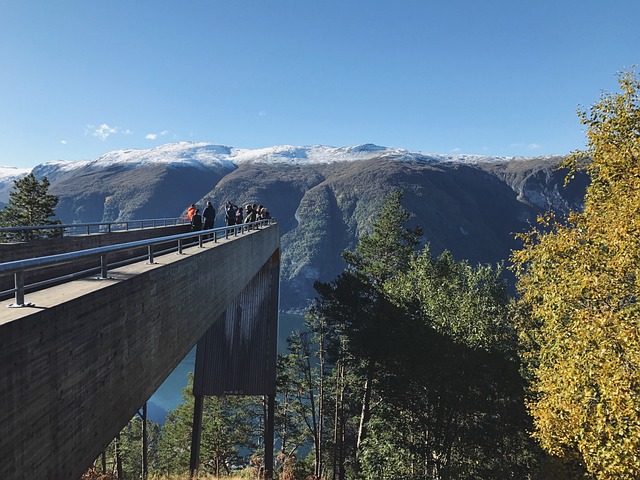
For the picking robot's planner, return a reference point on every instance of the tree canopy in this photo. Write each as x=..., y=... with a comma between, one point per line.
x=30, y=204
x=428, y=349
x=579, y=288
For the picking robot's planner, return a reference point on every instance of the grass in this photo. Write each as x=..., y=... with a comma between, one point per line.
x=94, y=474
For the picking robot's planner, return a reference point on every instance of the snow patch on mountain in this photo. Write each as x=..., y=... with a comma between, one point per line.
x=8, y=175
x=207, y=155
x=12, y=173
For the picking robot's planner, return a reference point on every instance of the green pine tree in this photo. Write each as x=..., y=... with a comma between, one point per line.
x=385, y=251
x=230, y=424
x=31, y=204
x=356, y=306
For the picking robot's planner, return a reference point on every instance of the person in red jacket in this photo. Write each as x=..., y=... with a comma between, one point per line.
x=190, y=211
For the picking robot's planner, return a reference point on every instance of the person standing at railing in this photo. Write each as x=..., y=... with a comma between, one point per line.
x=208, y=216
x=263, y=214
x=230, y=214
x=239, y=216
x=250, y=214
x=190, y=211
x=196, y=221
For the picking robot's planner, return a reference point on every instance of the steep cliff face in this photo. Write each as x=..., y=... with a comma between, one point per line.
x=540, y=183
x=119, y=192
x=473, y=210
x=324, y=198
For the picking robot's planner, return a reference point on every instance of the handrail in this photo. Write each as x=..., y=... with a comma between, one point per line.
x=19, y=267
x=110, y=226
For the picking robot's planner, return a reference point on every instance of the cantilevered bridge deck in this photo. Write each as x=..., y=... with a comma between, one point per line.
x=77, y=364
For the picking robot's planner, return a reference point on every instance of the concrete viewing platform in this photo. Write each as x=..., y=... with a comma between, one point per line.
x=57, y=294
x=77, y=364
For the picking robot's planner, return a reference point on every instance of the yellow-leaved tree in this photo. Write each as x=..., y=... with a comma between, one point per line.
x=579, y=288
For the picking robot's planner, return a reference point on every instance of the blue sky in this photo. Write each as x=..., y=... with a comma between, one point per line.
x=493, y=77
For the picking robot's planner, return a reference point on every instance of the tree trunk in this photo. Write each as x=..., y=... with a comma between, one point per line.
x=120, y=475
x=338, y=430
x=314, y=417
x=365, y=415
x=283, y=432
x=336, y=417
x=145, y=443
x=319, y=465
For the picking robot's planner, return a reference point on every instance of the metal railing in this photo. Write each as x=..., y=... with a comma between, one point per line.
x=26, y=233
x=199, y=237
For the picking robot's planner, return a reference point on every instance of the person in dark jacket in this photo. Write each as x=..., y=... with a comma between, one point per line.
x=196, y=221
x=230, y=214
x=208, y=216
x=264, y=214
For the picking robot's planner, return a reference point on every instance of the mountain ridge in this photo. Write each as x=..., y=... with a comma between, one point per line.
x=323, y=197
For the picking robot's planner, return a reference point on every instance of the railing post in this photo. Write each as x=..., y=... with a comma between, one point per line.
x=151, y=261
x=88, y=231
x=179, y=246
x=103, y=266
x=19, y=282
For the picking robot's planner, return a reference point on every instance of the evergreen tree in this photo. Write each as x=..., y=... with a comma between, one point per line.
x=579, y=288
x=291, y=428
x=426, y=347
x=125, y=453
x=229, y=424
x=453, y=394
x=30, y=204
x=300, y=386
x=386, y=251
x=355, y=306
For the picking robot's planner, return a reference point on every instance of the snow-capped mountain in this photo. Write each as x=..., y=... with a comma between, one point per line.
x=323, y=197
x=11, y=173
x=8, y=176
x=203, y=155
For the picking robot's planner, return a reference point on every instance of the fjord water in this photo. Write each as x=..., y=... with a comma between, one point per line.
x=169, y=394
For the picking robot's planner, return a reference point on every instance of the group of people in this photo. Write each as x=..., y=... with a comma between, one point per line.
x=202, y=221
x=234, y=215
